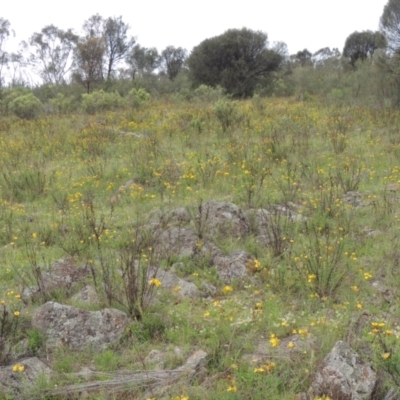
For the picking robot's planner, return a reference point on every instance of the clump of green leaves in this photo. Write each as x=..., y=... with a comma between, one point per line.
x=26, y=107
x=227, y=113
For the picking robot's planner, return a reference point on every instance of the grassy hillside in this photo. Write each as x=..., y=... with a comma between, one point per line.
x=86, y=186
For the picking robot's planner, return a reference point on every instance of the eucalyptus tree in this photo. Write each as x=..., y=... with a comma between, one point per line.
x=51, y=52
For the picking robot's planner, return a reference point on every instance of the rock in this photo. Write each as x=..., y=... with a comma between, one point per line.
x=218, y=218
x=287, y=348
x=353, y=198
x=181, y=242
x=301, y=396
x=87, y=295
x=20, y=350
x=207, y=289
x=131, y=134
x=77, y=328
x=63, y=274
x=343, y=376
x=386, y=293
x=171, y=281
x=155, y=357
x=266, y=223
x=177, y=216
x=27, y=371
x=232, y=266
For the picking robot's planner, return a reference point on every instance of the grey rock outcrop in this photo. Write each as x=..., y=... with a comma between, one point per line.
x=219, y=218
x=343, y=376
x=171, y=281
x=18, y=382
x=77, y=328
x=181, y=242
x=63, y=274
x=232, y=266
x=87, y=295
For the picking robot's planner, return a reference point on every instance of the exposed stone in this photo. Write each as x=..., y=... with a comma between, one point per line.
x=87, y=295
x=63, y=274
x=266, y=222
x=287, y=347
x=218, y=218
x=232, y=266
x=177, y=216
x=343, y=376
x=171, y=281
x=181, y=242
x=353, y=198
x=15, y=383
x=386, y=293
x=20, y=350
x=155, y=357
x=76, y=328
x=207, y=289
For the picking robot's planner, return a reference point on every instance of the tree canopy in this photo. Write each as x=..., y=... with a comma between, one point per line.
x=172, y=60
x=236, y=60
x=52, y=50
x=389, y=24
x=361, y=45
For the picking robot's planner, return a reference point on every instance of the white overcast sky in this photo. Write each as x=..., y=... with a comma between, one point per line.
x=310, y=24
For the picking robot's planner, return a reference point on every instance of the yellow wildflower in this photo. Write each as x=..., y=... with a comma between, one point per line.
x=18, y=368
x=227, y=289
x=367, y=276
x=311, y=278
x=274, y=340
x=155, y=282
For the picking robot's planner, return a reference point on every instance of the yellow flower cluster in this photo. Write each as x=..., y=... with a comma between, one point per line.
x=227, y=289
x=18, y=368
x=155, y=282
x=266, y=368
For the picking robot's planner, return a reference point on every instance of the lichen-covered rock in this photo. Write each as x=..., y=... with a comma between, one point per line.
x=62, y=274
x=177, y=216
x=181, y=242
x=87, y=295
x=219, y=218
x=343, y=376
x=17, y=379
x=77, y=328
x=232, y=266
x=171, y=281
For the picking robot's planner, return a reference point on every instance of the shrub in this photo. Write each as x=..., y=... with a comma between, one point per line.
x=227, y=113
x=208, y=93
x=137, y=97
x=62, y=104
x=27, y=106
x=101, y=101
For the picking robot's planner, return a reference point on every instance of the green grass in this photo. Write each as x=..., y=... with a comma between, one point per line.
x=62, y=193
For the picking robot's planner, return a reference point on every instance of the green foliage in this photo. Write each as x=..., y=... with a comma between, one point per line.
x=149, y=328
x=389, y=24
x=235, y=60
x=62, y=104
x=101, y=101
x=227, y=113
x=35, y=340
x=9, y=323
x=107, y=360
x=172, y=60
x=208, y=93
x=362, y=45
x=26, y=107
x=137, y=97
